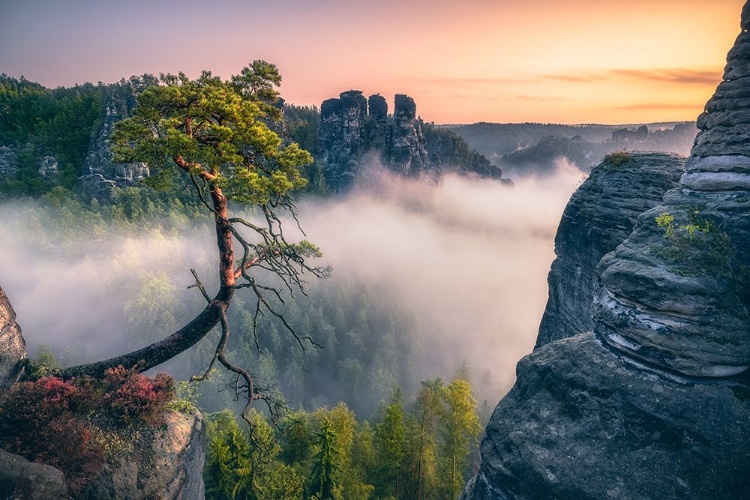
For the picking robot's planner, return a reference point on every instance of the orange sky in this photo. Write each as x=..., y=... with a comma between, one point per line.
x=576, y=61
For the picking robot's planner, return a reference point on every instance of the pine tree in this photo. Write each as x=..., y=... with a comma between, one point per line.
x=427, y=410
x=390, y=439
x=325, y=469
x=228, y=455
x=459, y=430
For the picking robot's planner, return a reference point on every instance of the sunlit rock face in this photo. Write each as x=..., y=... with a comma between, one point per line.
x=598, y=217
x=655, y=402
x=12, y=344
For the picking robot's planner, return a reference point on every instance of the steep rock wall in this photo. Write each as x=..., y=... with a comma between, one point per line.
x=598, y=217
x=359, y=141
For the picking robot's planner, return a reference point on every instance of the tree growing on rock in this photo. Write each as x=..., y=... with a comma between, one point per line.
x=219, y=134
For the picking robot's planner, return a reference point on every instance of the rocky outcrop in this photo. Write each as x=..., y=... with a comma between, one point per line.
x=12, y=344
x=99, y=175
x=677, y=292
x=48, y=167
x=583, y=423
x=598, y=217
x=8, y=162
x=21, y=479
x=165, y=463
x=655, y=402
x=408, y=155
x=358, y=140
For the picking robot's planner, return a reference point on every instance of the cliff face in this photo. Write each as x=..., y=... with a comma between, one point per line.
x=358, y=139
x=99, y=175
x=655, y=402
x=12, y=344
x=166, y=463
x=598, y=217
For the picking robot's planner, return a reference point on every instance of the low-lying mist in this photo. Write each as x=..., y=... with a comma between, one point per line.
x=470, y=259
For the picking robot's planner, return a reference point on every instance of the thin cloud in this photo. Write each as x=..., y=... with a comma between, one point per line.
x=687, y=76
x=658, y=106
x=674, y=75
x=470, y=82
x=577, y=77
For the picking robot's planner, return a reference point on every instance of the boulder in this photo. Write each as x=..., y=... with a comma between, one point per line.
x=21, y=479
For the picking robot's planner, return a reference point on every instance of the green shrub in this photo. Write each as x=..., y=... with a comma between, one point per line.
x=618, y=158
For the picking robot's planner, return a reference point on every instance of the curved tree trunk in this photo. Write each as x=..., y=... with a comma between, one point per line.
x=187, y=336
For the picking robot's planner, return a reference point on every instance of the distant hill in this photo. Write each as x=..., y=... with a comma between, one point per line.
x=526, y=148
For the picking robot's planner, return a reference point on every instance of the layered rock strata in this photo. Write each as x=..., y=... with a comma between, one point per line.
x=585, y=423
x=655, y=402
x=598, y=217
x=677, y=293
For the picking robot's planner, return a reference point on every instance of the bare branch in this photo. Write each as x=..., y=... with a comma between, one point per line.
x=199, y=286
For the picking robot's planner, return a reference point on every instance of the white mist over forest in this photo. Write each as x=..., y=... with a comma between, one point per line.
x=470, y=259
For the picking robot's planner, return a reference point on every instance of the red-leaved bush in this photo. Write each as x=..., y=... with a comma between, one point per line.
x=61, y=422
x=133, y=397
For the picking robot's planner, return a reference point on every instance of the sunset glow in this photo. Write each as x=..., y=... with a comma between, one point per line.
x=577, y=61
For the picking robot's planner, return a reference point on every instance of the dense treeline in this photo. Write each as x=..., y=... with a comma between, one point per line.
x=39, y=122
x=425, y=449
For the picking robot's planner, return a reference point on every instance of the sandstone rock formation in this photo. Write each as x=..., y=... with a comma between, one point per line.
x=358, y=140
x=8, y=162
x=677, y=292
x=21, y=479
x=166, y=463
x=655, y=402
x=583, y=423
x=99, y=175
x=12, y=344
x=598, y=217
x=48, y=167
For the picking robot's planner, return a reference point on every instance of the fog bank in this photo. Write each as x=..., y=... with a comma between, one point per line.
x=471, y=259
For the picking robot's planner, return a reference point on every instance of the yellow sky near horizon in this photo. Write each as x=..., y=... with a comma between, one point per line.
x=574, y=61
